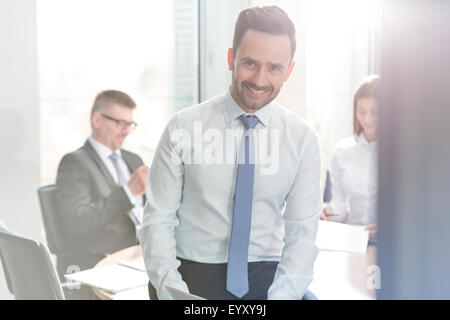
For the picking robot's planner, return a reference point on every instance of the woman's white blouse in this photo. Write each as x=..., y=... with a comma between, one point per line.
x=353, y=177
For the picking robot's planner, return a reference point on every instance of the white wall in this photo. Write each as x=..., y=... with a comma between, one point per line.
x=19, y=122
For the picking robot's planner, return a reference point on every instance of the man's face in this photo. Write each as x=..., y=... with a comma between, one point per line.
x=261, y=65
x=108, y=131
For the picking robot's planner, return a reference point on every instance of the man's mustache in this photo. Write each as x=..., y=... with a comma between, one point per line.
x=255, y=87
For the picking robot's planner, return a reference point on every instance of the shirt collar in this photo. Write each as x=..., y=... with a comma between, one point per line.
x=103, y=151
x=361, y=140
x=232, y=110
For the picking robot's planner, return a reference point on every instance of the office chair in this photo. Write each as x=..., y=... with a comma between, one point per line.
x=57, y=241
x=4, y=228
x=28, y=268
x=54, y=231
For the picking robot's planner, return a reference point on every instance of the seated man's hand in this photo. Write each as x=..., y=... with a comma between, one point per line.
x=137, y=181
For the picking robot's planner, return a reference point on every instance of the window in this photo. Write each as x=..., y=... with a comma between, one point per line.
x=146, y=48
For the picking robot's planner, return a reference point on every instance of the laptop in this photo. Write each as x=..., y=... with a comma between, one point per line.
x=181, y=295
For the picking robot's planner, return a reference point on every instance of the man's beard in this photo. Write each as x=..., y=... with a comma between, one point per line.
x=246, y=103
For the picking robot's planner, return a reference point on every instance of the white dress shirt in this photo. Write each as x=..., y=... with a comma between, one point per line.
x=190, y=204
x=353, y=177
x=104, y=153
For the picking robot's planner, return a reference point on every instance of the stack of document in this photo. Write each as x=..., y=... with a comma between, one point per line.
x=114, y=278
x=335, y=236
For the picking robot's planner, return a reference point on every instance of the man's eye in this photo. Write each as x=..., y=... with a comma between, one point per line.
x=250, y=63
x=275, y=68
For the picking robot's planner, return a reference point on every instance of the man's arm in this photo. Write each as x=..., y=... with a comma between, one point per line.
x=79, y=213
x=301, y=216
x=157, y=236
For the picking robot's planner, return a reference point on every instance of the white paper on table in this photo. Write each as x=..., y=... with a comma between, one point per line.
x=335, y=236
x=137, y=264
x=140, y=293
x=113, y=278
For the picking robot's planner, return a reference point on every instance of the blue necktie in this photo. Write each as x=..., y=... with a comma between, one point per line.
x=237, y=267
x=122, y=181
x=114, y=158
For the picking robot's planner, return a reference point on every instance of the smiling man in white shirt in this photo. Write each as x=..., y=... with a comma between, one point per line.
x=100, y=187
x=233, y=193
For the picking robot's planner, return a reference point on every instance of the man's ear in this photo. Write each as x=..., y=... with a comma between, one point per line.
x=291, y=67
x=230, y=59
x=96, y=119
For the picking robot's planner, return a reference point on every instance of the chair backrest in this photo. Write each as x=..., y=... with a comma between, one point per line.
x=327, y=191
x=54, y=230
x=30, y=270
x=4, y=228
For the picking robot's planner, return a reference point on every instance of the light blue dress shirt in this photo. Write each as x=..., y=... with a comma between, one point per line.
x=190, y=191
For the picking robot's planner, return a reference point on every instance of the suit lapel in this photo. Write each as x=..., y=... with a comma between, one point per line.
x=99, y=163
x=130, y=162
x=132, y=166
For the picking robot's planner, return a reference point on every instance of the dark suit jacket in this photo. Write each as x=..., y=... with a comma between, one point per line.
x=93, y=209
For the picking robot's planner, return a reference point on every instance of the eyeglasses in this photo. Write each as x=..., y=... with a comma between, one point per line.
x=122, y=124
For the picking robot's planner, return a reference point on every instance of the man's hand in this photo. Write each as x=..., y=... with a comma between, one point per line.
x=137, y=181
x=372, y=231
x=326, y=210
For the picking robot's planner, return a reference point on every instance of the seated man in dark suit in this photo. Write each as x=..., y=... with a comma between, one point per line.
x=100, y=187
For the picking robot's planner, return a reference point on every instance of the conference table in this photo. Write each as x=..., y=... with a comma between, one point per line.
x=337, y=275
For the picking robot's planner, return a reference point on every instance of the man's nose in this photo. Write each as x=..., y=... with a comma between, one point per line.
x=260, y=78
x=126, y=130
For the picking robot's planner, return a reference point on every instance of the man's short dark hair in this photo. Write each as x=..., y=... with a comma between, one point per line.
x=107, y=98
x=269, y=19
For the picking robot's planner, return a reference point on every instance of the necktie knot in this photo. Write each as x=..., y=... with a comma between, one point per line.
x=113, y=156
x=249, y=122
